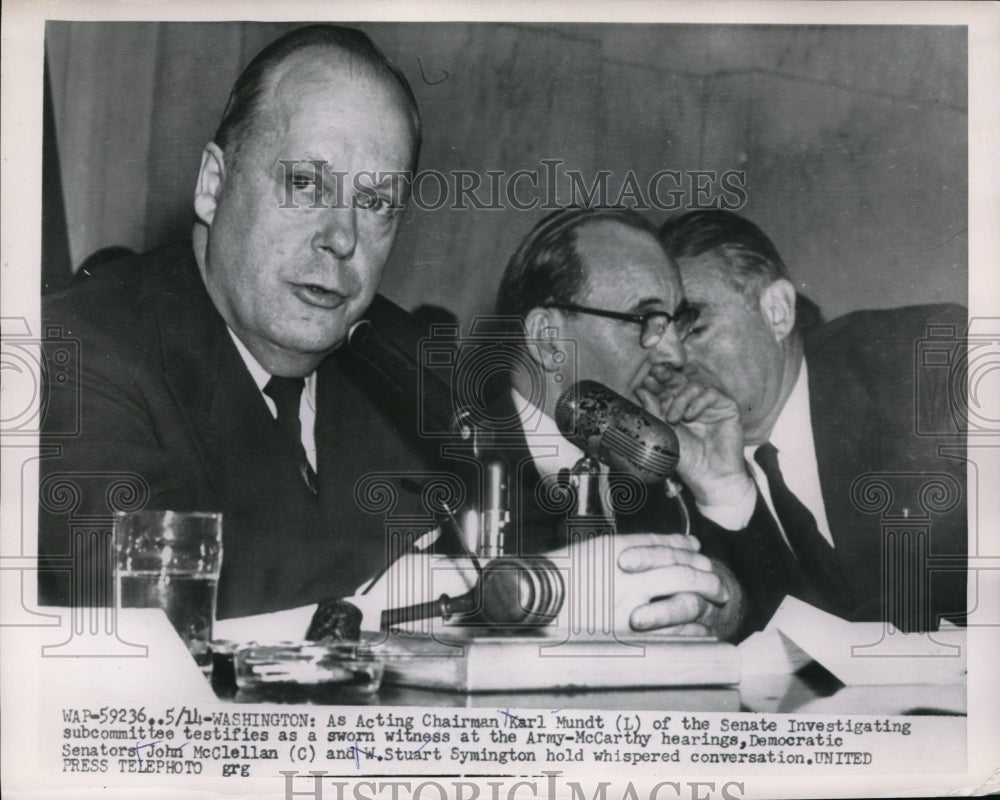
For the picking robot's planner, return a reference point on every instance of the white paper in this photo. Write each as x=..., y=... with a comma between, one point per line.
x=865, y=653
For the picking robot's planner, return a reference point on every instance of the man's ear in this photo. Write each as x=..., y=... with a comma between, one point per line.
x=777, y=304
x=544, y=345
x=211, y=179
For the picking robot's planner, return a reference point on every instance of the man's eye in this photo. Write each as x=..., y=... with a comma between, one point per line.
x=302, y=181
x=377, y=203
x=694, y=332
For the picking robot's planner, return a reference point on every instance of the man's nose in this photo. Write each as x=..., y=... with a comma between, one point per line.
x=338, y=233
x=669, y=349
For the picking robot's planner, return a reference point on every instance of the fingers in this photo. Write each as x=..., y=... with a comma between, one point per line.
x=649, y=400
x=678, y=578
x=669, y=376
x=701, y=402
x=664, y=583
x=689, y=403
x=624, y=540
x=652, y=384
x=642, y=558
x=688, y=629
x=678, y=613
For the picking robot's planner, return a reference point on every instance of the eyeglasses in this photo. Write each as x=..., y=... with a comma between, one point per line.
x=654, y=324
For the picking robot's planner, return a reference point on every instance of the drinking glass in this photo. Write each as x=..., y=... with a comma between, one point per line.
x=171, y=560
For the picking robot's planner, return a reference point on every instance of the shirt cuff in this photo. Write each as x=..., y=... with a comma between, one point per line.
x=732, y=516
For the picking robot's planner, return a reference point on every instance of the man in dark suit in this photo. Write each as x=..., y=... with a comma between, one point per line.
x=211, y=376
x=600, y=300
x=853, y=510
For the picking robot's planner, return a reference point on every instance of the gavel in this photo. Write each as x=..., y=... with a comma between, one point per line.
x=512, y=591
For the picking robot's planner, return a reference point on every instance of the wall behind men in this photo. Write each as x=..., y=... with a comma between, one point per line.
x=848, y=145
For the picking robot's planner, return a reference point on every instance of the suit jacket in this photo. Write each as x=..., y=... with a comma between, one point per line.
x=161, y=412
x=886, y=425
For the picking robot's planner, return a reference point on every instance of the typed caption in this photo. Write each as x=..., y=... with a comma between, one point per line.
x=341, y=741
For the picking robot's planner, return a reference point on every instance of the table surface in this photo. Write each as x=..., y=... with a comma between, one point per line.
x=159, y=669
x=811, y=690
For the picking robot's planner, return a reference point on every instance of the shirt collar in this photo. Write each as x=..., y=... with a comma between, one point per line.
x=549, y=449
x=794, y=421
x=260, y=375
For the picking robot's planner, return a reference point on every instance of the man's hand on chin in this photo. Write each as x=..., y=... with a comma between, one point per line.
x=708, y=428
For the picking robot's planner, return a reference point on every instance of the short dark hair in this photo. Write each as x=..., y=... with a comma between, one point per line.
x=752, y=259
x=244, y=103
x=546, y=267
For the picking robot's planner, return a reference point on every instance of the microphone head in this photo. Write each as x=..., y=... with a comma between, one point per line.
x=617, y=432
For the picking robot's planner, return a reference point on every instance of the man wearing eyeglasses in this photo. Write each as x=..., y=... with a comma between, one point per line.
x=600, y=300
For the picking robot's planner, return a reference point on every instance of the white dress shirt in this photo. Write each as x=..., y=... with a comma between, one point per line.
x=792, y=437
x=307, y=404
x=549, y=449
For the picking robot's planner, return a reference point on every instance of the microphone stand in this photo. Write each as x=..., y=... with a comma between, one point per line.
x=584, y=479
x=492, y=511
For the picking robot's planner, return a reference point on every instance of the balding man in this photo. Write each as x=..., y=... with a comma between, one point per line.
x=209, y=373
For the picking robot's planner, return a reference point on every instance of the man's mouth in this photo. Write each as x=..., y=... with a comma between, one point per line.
x=315, y=295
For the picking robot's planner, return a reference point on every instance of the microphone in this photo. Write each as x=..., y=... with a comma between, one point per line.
x=512, y=591
x=617, y=432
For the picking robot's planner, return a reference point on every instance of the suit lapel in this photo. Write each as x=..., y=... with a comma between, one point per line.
x=229, y=420
x=268, y=511
x=335, y=437
x=191, y=342
x=840, y=410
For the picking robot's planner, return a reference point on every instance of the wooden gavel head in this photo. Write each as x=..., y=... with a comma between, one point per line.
x=521, y=591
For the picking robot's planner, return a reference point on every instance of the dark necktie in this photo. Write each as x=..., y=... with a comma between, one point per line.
x=815, y=555
x=287, y=393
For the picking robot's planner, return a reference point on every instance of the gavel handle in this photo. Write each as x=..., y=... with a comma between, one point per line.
x=444, y=608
